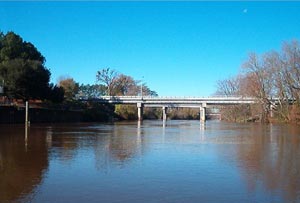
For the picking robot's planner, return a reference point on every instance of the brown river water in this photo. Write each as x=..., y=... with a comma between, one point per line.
x=175, y=161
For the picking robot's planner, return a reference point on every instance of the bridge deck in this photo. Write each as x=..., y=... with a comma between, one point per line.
x=177, y=101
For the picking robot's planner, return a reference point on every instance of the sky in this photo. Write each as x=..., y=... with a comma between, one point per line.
x=176, y=48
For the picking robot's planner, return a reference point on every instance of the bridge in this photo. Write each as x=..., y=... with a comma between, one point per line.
x=170, y=102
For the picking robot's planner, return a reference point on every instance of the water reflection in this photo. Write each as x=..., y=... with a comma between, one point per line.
x=139, y=134
x=164, y=123
x=145, y=161
x=119, y=144
x=273, y=159
x=202, y=125
x=21, y=168
x=26, y=137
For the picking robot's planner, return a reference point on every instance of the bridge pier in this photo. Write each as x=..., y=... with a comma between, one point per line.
x=140, y=111
x=271, y=110
x=164, y=112
x=203, y=112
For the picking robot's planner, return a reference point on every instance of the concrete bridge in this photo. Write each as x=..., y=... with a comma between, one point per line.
x=170, y=102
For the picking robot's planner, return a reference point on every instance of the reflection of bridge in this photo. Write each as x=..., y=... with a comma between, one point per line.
x=168, y=102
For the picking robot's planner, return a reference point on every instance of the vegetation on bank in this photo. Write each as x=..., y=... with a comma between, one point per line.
x=24, y=76
x=275, y=74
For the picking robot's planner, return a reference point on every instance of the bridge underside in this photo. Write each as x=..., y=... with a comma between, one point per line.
x=140, y=106
x=173, y=105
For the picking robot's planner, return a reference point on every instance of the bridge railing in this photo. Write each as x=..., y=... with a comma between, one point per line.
x=215, y=99
x=172, y=97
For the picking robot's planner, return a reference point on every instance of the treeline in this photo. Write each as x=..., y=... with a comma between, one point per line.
x=24, y=76
x=275, y=74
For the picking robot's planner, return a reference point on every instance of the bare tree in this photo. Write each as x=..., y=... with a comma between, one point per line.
x=232, y=87
x=259, y=79
x=291, y=62
x=275, y=63
x=271, y=75
x=228, y=87
x=108, y=77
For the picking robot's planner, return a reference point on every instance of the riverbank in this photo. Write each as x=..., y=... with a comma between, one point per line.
x=16, y=114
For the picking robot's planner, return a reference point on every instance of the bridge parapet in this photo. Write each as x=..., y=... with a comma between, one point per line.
x=175, y=100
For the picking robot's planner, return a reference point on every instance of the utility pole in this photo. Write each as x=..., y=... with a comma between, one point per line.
x=142, y=87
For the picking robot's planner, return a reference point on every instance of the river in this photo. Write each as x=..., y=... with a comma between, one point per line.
x=153, y=161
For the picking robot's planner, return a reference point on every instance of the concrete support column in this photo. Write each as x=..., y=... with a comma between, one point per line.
x=271, y=110
x=202, y=113
x=140, y=111
x=164, y=112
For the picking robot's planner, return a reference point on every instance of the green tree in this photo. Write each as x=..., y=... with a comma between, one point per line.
x=22, y=68
x=125, y=85
x=91, y=91
x=56, y=94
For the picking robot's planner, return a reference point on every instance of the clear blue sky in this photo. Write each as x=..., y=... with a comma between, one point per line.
x=180, y=48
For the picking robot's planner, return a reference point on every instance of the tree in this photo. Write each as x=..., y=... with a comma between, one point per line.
x=56, y=94
x=232, y=87
x=147, y=91
x=259, y=79
x=228, y=87
x=91, y=91
x=70, y=87
x=124, y=85
x=291, y=66
x=22, y=68
x=271, y=75
x=107, y=76
x=290, y=71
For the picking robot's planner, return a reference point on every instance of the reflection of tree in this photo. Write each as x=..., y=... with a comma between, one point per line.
x=68, y=139
x=102, y=152
x=66, y=145
x=118, y=144
x=273, y=159
x=21, y=168
x=122, y=145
